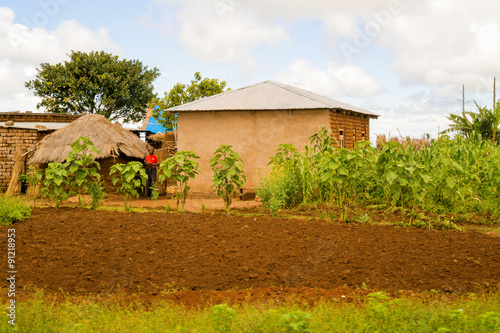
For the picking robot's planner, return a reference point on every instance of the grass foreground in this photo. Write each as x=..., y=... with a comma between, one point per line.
x=378, y=312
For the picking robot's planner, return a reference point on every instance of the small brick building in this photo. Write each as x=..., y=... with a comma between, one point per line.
x=21, y=131
x=257, y=118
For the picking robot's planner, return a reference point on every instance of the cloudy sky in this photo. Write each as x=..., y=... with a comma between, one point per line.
x=404, y=60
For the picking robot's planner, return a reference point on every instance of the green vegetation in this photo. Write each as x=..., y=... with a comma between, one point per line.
x=482, y=124
x=82, y=169
x=180, y=168
x=95, y=82
x=375, y=313
x=452, y=175
x=33, y=178
x=55, y=182
x=97, y=192
x=131, y=177
x=77, y=175
x=228, y=173
x=13, y=209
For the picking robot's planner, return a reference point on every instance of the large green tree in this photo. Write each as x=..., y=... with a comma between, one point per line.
x=95, y=82
x=185, y=93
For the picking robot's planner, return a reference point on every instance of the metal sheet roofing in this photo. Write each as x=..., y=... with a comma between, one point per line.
x=267, y=96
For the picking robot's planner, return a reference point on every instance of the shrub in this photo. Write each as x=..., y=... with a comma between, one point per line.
x=180, y=168
x=227, y=166
x=83, y=176
x=281, y=188
x=13, y=209
x=130, y=176
x=55, y=182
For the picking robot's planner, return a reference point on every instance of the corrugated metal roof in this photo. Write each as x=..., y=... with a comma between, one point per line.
x=267, y=95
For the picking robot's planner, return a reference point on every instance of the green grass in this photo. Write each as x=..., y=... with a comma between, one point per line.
x=13, y=209
x=378, y=312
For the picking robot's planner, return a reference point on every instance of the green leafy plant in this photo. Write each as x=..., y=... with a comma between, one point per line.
x=227, y=166
x=155, y=193
x=131, y=177
x=55, y=182
x=82, y=168
x=13, y=209
x=97, y=193
x=33, y=178
x=297, y=321
x=180, y=168
x=402, y=178
x=222, y=317
x=344, y=173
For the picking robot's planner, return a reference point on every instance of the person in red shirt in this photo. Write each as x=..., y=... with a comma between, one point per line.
x=151, y=162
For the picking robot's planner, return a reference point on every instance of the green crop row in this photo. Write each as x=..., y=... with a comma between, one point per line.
x=451, y=175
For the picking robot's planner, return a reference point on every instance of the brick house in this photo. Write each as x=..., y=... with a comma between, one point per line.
x=21, y=131
x=257, y=118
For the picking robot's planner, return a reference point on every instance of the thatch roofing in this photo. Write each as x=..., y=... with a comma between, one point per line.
x=110, y=139
x=268, y=96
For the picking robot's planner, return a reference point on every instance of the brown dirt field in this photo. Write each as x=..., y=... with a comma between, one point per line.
x=206, y=256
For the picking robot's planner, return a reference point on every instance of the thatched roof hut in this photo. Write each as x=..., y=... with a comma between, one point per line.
x=110, y=139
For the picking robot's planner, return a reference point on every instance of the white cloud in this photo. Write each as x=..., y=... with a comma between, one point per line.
x=216, y=31
x=451, y=43
x=24, y=49
x=433, y=42
x=334, y=81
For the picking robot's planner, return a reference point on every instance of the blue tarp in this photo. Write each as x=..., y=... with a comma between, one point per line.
x=153, y=125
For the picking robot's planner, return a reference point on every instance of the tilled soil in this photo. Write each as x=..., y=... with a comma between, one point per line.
x=84, y=251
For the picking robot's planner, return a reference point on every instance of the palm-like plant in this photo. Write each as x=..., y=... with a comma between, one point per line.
x=485, y=122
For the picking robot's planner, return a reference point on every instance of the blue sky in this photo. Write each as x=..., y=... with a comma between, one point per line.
x=404, y=60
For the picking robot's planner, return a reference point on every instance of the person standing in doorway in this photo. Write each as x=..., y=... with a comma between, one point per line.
x=151, y=162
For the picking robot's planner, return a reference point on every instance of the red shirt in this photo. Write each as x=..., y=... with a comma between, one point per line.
x=151, y=159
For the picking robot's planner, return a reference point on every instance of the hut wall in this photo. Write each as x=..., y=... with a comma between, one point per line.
x=10, y=139
x=106, y=164
x=353, y=128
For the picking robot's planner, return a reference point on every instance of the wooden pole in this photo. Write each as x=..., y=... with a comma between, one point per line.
x=494, y=93
x=463, y=99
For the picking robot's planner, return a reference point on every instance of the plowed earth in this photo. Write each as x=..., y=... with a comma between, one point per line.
x=101, y=252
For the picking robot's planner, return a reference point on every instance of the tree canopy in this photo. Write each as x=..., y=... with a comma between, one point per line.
x=95, y=82
x=185, y=93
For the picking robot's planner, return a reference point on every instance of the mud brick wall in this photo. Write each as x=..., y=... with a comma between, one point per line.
x=10, y=139
x=355, y=127
x=37, y=117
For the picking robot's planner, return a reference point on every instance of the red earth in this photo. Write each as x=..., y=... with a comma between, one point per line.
x=205, y=257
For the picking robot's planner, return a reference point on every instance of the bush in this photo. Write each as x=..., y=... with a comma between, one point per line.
x=13, y=209
x=281, y=188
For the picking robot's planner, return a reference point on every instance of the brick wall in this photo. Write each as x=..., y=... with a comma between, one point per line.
x=353, y=127
x=10, y=139
x=37, y=117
